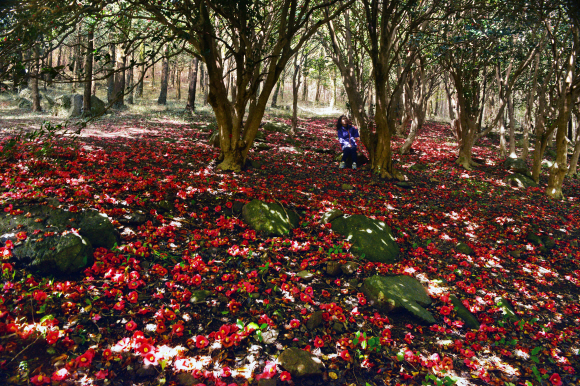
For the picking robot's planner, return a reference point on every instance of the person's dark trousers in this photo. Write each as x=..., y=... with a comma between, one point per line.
x=349, y=152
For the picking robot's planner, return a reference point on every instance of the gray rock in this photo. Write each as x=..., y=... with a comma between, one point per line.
x=300, y=363
x=261, y=146
x=186, y=379
x=269, y=218
x=59, y=255
x=507, y=309
x=464, y=248
x=94, y=228
x=517, y=165
x=305, y=275
x=548, y=242
x=330, y=215
x=146, y=371
x=392, y=292
x=76, y=106
x=25, y=93
x=97, y=228
x=237, y=207
x=520, y=181
x=404, y=185
x=199, y=296
x=419, y=167
x=534, y=239
x=267, y=382
x=464, y=314
x=270, y=336
x=136, y=218
x=370, y=238
x=315, y=320
x=338, y=327
x=97, y=106
x=349, y=268
x=333, y=268
x=214, y=139
x=24, y=103
x=278, y=127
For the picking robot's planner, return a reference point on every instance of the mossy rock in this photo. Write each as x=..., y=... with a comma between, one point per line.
x=464, y=248
x=507, y=309
x=300, y=363
x=331, y=215
x=392, y=292
x=270, y=218
x=464, y=314
x=370, y=238
x=419, y=167
x=520, y=181
x=278, y=127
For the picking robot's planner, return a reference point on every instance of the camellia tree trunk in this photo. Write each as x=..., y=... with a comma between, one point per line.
x=34, y=81
x=88, y=71
x=192, y=86
x=162, y=100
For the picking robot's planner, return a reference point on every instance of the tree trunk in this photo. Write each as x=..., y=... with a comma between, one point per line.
x=559, y=169
x=502, y=141
x=295, y=87
x=120, y=78
x=130, y=80
x=511, y=116
x=88, y=71
x=206, y=88
x=192, y=86
x=153, y=75
x=111, y=75
x=139, y=92
x=305, y=88
x=178, y=83
x=34, y=82
x=333, y=92
x=78, y=59
x=49, y=75
x=275, y=96
x=162, y=100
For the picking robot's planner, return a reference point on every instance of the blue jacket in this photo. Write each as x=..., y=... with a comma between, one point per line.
x=346, y=136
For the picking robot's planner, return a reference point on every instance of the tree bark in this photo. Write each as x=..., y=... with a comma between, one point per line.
x=178, y=83
x=295, y=87
x=139, y=92
x=78, y=59
x=120, y=78
x=130, y=80
x=34, y=82
x=511, y=117
x=275, y=96
x=88, y=71
x=192, y=86
x=162, y=100
x=111, y=75
x=573, y=170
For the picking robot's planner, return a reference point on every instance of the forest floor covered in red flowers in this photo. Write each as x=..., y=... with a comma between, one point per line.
x=132, y=316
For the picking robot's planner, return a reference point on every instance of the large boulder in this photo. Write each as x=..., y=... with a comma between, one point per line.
x=66, y=254
x=61, y=105
x=370, y=238
x=391, y=292
x=517, y=165
x=97, y=106
x=300, y=363
x=278, y=127
x=76, y=106
x=53, y=243
x=520, y=181
x=270, y=218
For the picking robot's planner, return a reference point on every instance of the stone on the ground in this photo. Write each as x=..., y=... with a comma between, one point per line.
x=305, y=275
x=419, y=167
x=404, y=185
x=61, y=255
x=330, y=215
x=24, y=103
x=333, y=268
x=464, y=314
x=315, y=320
x=97, y=228
x=507, y=309
x=391, y=292
x=186, y=379
x=94, y=230
x=517, y=165
x=346, y=187
x=371, y=239
x=278, y=127
x=300, y=363
x=464, y=248
x=520, y=181
x=214, y=139
x=76, y=105
x=349, y=268
x=199, y=296
x=270, y=218
x=97, y=105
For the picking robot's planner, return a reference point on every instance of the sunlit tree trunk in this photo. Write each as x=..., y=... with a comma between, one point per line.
x=529, y=106
x=88, y=71
x=192, y=86
x=130, y=81
x=295, y=87
x=275, y=96
x=162, y=100
x=574, y=160
x=34, y=81
x=139, y=91
x=111, y=75
x=120, y=77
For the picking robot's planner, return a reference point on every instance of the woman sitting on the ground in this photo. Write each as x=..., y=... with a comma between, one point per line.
x=346, y=136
